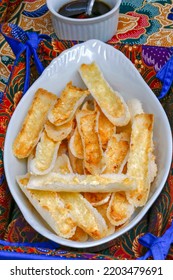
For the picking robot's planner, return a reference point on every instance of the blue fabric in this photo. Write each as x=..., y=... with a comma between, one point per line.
x=25, y=41
x=165, y=75
x=49, y=244
x=12, y=255
x=158, y=246
x=4, y=255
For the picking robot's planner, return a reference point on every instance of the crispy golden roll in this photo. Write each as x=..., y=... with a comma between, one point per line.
x=105, y=128
x=75, y=144
x=86, y=216
x=93, y=154
x=135, y=107
x=77, y=164
x=82, y=183
x=119, y=209
x=65, y=107
x=152, y=167
x=32, y=126
x=102, y=209
x=116, y=154
x=111, y=103
x=58, y=133
x=124, y=131
x=97, y=199
x=141, y=146
x=63, y=148
x=45, y=155
x=89, y=104
x=80, y=235
x=51, y=208
x=62, y=165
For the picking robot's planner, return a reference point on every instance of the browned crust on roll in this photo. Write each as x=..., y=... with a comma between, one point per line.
x=33, y=123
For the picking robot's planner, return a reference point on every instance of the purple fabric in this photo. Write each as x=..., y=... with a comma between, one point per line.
x=156, y=56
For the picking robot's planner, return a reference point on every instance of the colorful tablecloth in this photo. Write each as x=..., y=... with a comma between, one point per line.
x=145, y=36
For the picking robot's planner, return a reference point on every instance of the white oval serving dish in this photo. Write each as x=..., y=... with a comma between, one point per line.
x=122, y=76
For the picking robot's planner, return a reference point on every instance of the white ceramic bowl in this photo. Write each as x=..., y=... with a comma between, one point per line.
x=101, y=28
x=122, y=76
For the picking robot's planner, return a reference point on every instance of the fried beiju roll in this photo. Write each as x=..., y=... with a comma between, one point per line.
x=65, y=107
x=51, y=208
x=111, y=102
x=141, y=146
x=32, y=126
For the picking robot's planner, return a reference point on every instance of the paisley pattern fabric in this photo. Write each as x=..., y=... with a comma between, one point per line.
x=141, y=24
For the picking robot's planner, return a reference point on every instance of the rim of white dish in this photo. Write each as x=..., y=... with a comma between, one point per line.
x=86, y=20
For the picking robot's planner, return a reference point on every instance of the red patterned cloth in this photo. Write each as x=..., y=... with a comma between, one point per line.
x=13, y=226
